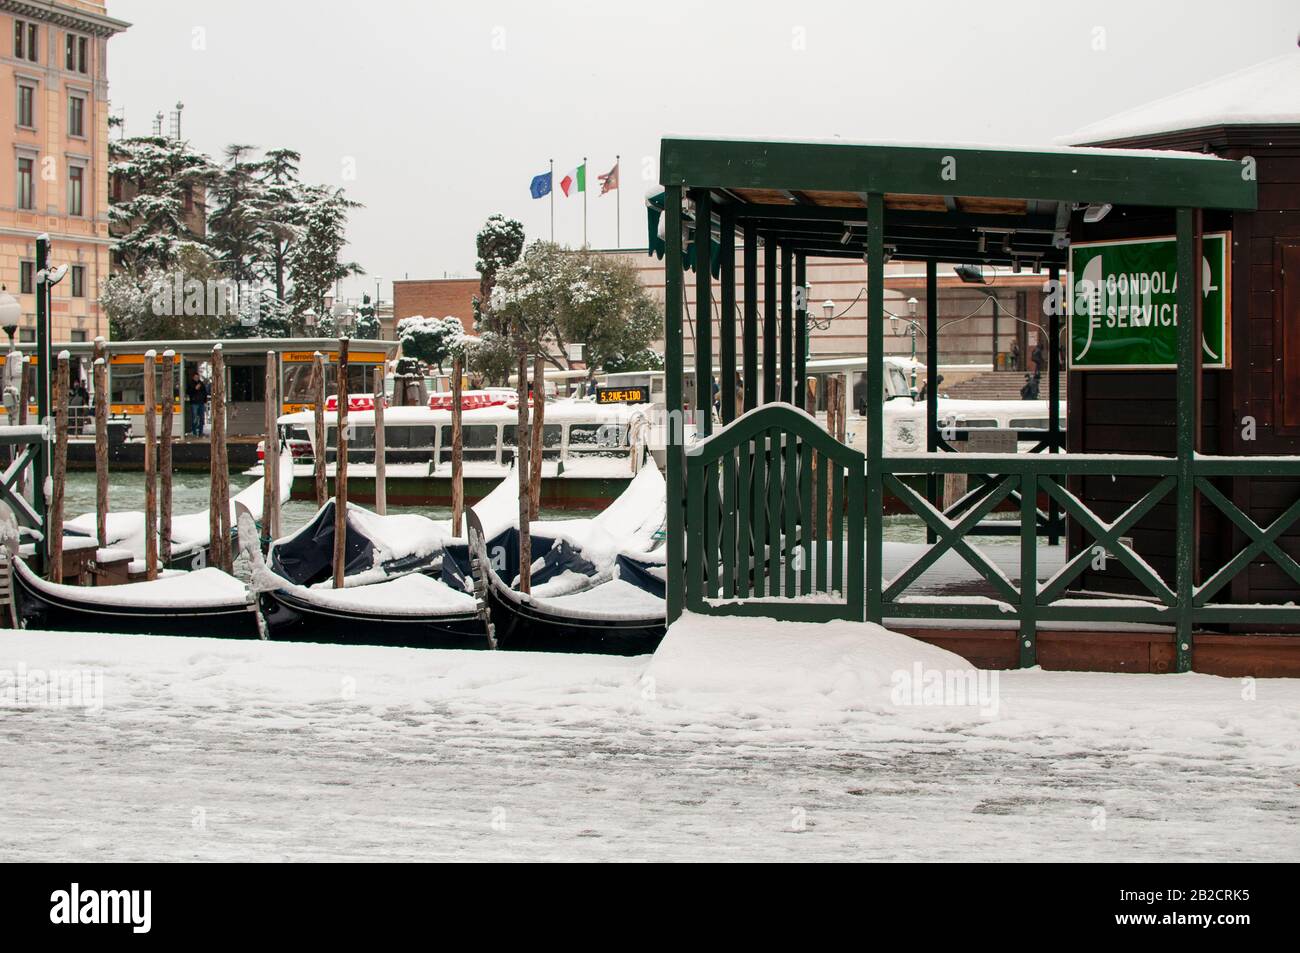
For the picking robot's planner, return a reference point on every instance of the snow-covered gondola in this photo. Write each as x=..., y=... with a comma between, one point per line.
x=207, y=603
x=616, y=617
x=409, y=609
x=191, y=533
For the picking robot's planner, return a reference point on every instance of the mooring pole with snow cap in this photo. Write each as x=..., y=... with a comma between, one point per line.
x=100, y=373
x=341, y=469
x=165, y=457
x=457, y=448
x=381, y=464
x=318, y=401
x=523, y=472
x=270, y=482
x=219, y=497
x=150, y=465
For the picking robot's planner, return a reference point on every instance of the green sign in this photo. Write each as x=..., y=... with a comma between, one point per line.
x=1124, y=303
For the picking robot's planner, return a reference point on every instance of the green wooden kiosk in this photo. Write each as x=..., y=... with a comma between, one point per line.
x=769, y=516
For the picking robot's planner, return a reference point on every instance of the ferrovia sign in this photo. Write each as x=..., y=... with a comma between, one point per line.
x=1124, y=303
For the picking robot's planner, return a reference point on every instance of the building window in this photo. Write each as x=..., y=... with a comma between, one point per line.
x=78, y=281
x=26, y=335
x=26, y=106
x=77, y=116
x=25, y=45
x=76, y=53
x=78, y=337
x=27, y=277
x=26, y=183
x=76, y=190
x=189, y=198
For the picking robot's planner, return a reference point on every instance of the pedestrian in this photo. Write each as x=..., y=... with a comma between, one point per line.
x=196, y=399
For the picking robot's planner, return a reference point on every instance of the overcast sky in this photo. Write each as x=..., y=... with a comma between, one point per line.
x=435, y=115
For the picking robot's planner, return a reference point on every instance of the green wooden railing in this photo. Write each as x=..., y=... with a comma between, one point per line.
x=775, y=520
x=764, y=536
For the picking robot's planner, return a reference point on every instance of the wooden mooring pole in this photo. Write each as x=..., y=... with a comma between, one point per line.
x=381, y=465
x=539, y=418
x=341, y=469
x=270, y=454
x=457, y=449
x=523, y=473
x=165, y=457
x=219, y=502
x=318, y=402
x=100, y=374
x=150, y=465
x=58, y=469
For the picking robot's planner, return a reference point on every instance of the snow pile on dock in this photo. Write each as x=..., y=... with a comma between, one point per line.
x=713, y=661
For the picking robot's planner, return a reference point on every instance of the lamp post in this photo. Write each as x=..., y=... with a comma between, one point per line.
x=911, y=314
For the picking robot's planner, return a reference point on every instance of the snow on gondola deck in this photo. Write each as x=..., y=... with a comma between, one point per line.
x=743, y=740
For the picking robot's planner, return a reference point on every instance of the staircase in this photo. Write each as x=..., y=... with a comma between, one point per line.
x=997, y=385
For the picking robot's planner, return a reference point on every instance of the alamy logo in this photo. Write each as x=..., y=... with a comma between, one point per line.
x=102, y=907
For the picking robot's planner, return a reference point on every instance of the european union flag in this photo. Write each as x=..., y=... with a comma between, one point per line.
x=541, y=185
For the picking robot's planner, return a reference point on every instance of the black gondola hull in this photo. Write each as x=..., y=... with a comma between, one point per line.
x=42, y=610
x=292, y=619
x=527, y=627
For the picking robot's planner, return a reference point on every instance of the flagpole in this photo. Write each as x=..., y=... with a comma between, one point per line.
x=618, y=202
x=552, y=162
x=584, y=201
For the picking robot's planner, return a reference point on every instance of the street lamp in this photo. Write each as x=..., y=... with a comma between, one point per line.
x=828, y=309
x=911, y=312
x=10, y=313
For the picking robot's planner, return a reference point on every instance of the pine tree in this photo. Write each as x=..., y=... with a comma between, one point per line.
x=500, y=242
x=282, y=214
x=148, y=221
x=236, y=224
x=313, y=261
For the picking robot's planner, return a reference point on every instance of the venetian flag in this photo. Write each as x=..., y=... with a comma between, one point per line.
x=609, y=181
x=575, y=180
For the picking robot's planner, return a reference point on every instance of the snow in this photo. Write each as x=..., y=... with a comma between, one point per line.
x=410, y=595
x=1266, y=93
x=614, y=601
x=743, y=739
x=203, y=588
x=629, y=523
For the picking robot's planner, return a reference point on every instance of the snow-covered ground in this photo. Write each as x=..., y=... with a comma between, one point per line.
x=739, y=740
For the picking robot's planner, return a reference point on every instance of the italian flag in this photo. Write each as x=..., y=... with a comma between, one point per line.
x=575, y=180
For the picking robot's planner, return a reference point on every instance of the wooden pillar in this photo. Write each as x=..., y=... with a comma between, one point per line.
x=99, y=372
x=219, y=496
x=58, y=469
x=320, y=457
x=341, y=469
x=801, y=331
x=787, y=326
x=770, y=375
x=749, y=331
x=523, y=471
x=1188, y=430
x=703, y=312
x=165, y=457
x=875, y=402
x=269, y=482
x=381, y=462
x=457, y=448
x=150, y=465
x=675, y=589
x=536, y=433
x=727, y=316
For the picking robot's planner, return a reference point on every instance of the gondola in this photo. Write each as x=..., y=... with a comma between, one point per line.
x=206, y=602
x=191, y=541
x=412, y=610
x=616, y=617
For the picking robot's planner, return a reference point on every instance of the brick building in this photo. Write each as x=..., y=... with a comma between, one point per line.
x=433, y=298
x=54, y=178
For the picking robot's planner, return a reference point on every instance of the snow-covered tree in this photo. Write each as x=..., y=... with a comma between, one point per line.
x=148, y=220
x=429, y=339
x=166, y=302
x=236, y=222
x=500, y=242
x=492, y=357
x=282, y=211
x=314, y=260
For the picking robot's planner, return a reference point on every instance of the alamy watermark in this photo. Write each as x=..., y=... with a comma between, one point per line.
x=931, y=687
x=22, y=687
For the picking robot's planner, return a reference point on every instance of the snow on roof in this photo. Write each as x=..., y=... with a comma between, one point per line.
x=1266, y=93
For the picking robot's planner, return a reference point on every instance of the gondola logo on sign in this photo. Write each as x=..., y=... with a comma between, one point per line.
x=1124, y=306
